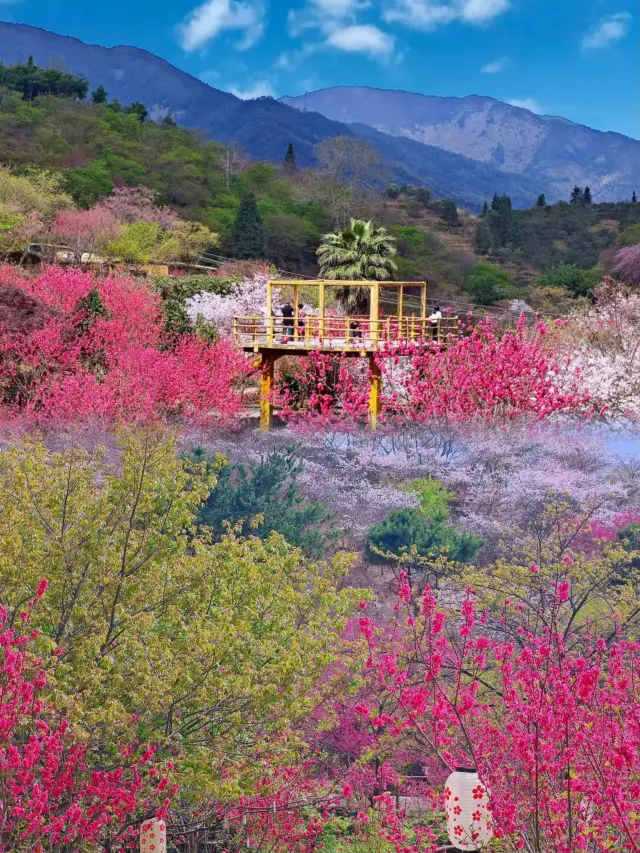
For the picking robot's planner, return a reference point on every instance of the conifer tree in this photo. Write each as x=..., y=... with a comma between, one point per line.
x=586, y=196
x=290, y=165
x=449, y=212
x=634, y=197
x=485, y=209
x=247, y=239
x=99, y=96
x=577, y=196
x=542, y=200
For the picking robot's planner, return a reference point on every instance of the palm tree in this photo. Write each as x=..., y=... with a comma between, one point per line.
x=359, y=253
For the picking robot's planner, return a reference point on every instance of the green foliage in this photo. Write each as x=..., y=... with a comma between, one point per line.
x=424, y=196
x=630, y=236
x=541, y=201
x=88, y=185
x=424, y=528
x=484, y=242
x=247, y=238
x=99, y=96
x=359, y=253
x=32, y=81
x=137, y=243
x=289, y=239
x=563, y=234
x=263, y=497
x=138, y=110
x=449, y=212
x=488, y=284
x=409, y=233
x=572, y=278
x=227, y=639
x=90, y=308
x=577, y=196
x=434, y=498
x=290, y=165
x=34, y=191
x=392, y=191
x=176, y=289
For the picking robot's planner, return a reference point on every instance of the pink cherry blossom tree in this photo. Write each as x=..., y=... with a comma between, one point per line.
x=52, y=792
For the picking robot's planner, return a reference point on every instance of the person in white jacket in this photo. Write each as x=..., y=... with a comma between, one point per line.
x=434, y=318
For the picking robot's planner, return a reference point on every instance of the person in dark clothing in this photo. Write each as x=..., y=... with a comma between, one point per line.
x=354, y=329
x=301, y=323
x=287, y=321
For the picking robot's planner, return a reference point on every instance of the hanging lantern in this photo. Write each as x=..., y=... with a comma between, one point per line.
x=466, y=801
x=153, y=836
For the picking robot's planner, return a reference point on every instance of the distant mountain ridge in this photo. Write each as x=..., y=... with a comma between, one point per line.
x=549, y=150
x=264, y=127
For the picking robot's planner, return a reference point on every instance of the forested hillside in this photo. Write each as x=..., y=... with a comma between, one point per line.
x=95, y=146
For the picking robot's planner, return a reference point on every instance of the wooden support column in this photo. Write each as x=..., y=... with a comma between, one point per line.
x=321, y=310
x=375, y=386
x=296, y=312
x=267, y=363
x=269, y=316
x=374, y=313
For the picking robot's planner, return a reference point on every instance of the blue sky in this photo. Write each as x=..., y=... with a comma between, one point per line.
x=574, y=58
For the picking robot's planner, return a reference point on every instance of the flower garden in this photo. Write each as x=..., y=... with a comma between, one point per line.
x=288, y=642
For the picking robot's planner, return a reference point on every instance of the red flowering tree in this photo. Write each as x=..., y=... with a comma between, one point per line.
x=51, y=791
x=101, y=352
x=552, y=726
x=485, y=374
x=85, y=230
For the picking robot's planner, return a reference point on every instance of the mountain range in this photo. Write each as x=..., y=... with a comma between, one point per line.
x=548, y=150
x=466, y=148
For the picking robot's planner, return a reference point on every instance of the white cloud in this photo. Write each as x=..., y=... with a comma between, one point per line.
x=324, y=15
x=527, y=104
x=214, y=16
x=363, y=38
x=430, y=14
x=478, y=11
x=609, y=30
x=259, y=89
x=496, y=66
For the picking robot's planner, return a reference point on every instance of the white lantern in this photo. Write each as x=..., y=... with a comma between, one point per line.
x=153, y=836
x=466, y=801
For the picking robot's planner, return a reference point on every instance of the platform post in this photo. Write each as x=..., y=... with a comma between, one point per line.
x=375, y=384
x=266, y=389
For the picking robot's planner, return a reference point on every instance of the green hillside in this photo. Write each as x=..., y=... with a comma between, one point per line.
x=96, y=145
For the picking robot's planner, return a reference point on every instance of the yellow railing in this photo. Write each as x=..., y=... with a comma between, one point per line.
x=339, y=333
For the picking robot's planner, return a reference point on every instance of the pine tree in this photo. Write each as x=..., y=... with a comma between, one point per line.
x=449, y=211
x=542, y=200
x=167, y=121
x=577, y=196
x=483, y=238
x=247, y=238
x=485, y=209
x=99, y=96
x=495, y=202
x=586, y=196
x=137, y=109
x=116, y=106
x=634, y=198
x=290, y=165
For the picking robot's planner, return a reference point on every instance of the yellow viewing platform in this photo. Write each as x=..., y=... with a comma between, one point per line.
x=271, y=336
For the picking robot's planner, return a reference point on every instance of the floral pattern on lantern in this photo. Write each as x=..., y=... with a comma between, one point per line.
x=153, y=836
x=466, y=802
